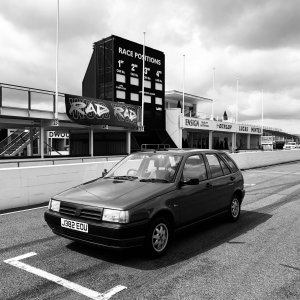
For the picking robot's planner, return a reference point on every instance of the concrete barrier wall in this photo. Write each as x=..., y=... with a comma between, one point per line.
x=248, y=160
x=34, y=182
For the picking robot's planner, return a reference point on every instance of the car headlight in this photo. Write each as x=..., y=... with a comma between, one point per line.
x=115, y=216
x=54, y=205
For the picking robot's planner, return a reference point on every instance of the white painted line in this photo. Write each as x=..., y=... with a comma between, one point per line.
x=250, y=184
x=8, y=261
x=19, y=211
x=65, y=283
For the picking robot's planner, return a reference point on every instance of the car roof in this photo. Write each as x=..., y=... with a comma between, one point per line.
x=181, y=151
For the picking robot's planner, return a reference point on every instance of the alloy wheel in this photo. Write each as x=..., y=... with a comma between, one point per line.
x=160, y=237
x=235, y=208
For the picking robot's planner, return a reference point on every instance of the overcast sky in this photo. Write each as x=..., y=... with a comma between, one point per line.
x=254, y=41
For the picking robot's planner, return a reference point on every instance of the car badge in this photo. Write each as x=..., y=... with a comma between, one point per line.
x=77, y=213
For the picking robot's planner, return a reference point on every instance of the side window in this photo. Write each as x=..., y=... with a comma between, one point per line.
x=214, y=165
x=194, y=168
x=230, y=162
x=225, y=168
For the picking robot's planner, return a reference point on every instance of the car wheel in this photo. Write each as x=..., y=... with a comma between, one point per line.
x=234, y=209
x=158, y=237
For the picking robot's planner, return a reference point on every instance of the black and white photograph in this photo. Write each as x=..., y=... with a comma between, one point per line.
x=149, y=150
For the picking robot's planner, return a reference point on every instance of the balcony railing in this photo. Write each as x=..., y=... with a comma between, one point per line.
x=16, y=96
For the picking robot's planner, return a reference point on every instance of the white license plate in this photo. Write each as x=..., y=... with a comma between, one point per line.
x=83, y=227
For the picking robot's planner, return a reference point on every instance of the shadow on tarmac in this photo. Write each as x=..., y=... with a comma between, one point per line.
x=187, y=244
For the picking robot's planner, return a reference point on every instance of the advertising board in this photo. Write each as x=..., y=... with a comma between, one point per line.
x=267, y=140
x=203, y=124
x=58, y=135
x=90, y=111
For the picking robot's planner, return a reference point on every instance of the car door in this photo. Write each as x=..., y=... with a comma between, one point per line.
x=194, y=199
x=222, y=183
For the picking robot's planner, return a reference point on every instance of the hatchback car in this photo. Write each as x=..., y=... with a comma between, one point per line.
x=147, y=197
x=290, y=146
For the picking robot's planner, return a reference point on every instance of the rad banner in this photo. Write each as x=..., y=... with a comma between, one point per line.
x=91, y=111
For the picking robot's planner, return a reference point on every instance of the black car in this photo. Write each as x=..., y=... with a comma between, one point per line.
x=146, y=197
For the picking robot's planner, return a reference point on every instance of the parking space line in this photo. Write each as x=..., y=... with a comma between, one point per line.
x=65, y=283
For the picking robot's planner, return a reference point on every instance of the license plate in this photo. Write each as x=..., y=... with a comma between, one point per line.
x=78, y=226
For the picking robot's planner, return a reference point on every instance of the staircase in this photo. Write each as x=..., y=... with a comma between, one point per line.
x=16, y=142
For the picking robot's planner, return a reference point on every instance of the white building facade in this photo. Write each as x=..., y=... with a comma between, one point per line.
x=194, y=130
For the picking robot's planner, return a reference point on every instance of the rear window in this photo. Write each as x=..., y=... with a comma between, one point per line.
x=230, y=162
x=225, y=168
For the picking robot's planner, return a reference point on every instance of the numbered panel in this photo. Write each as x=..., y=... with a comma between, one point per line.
x=120, y=65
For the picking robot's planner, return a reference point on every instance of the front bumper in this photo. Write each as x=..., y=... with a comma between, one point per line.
x=103, y=234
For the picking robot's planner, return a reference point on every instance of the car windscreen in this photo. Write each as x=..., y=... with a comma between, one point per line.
x=151, y=167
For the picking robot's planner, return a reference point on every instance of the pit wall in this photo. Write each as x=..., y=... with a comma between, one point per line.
x=26, y=183
x=255, y=159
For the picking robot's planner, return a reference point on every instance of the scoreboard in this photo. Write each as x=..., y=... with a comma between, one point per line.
x=119, y=76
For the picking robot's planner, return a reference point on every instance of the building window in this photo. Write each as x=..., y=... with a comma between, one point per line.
x=134, y=97
x=120, y=78
x=134, y=81
x=158, y=86
x=120, y=94
x=147, y=84
x=147, y=99
x=158, y=101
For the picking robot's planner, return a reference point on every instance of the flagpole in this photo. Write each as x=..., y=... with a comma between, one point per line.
x=183, y=79
x=213, y=100
x=143, y=82
x=237, y=101
x=56, y=68
x=262, y=112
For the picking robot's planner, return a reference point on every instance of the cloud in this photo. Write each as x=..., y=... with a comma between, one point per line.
x=248, y=24
x=255, y=41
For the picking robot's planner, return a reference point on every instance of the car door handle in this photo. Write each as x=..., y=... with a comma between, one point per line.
x=232, y=178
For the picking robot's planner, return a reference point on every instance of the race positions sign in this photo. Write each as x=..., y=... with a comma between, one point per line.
x=129, y=68
x=115, y=73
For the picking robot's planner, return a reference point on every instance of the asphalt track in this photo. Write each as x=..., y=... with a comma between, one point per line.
x=256, y=258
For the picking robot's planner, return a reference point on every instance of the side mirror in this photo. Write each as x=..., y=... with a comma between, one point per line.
x=192, y=181
x=104, y=172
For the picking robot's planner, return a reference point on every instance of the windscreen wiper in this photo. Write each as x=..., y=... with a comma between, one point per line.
x=154, y=180
x=125, y=177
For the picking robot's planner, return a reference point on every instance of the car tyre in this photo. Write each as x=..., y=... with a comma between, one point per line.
x=158, y=237
x=234, y=209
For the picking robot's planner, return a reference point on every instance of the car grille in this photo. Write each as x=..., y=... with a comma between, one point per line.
x=81, y=211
